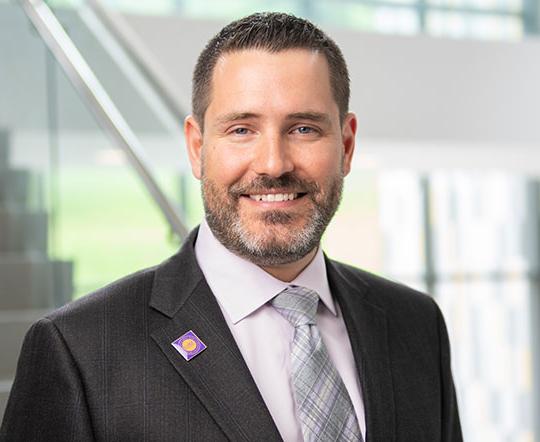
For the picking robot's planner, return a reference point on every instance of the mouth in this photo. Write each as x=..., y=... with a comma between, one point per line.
x=275, y=197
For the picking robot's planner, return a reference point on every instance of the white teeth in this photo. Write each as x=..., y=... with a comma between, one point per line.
x=274, y=197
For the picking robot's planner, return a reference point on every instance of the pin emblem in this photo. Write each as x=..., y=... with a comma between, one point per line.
x=189, y=345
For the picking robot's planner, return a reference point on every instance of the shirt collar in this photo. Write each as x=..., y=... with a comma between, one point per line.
x=242, y=287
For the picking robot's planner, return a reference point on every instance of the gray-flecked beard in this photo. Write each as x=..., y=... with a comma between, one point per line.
x=227, y=226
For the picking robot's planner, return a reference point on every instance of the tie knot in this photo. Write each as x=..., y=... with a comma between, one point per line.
x=297, y=304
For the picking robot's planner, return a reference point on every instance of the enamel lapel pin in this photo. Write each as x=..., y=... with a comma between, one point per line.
x=189, y=345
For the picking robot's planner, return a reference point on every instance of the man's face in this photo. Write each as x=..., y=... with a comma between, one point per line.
x=273, y=154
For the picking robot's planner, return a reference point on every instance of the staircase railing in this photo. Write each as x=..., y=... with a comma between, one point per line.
x=145, y=60
x=87, y=84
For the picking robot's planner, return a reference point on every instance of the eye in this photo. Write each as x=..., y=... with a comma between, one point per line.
x=305, y=130
x=240, y=131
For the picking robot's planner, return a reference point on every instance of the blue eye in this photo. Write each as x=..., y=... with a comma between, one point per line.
x=305, y=130
x=240, y=131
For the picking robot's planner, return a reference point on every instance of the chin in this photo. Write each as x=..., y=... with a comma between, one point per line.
x=278, y=236
x=275, y=244
x=273, y=256
x=270, y=239
x=275, y=220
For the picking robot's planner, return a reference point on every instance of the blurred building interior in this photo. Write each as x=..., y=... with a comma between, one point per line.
x=444, y=194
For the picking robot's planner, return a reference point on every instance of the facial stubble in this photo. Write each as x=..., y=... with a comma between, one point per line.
x=277, y=241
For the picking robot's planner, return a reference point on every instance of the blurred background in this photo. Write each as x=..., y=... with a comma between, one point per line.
x=444, y=194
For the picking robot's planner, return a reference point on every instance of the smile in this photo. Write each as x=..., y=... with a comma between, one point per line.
x=275, y=197
x=271, y=197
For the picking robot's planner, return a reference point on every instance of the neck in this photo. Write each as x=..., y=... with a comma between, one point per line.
x=288, y=272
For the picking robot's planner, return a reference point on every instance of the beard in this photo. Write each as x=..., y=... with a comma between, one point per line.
x=276, y=241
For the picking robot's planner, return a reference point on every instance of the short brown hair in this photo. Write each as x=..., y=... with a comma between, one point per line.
x=274, y=32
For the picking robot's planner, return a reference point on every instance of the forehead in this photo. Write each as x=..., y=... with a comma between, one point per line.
x=291, y=80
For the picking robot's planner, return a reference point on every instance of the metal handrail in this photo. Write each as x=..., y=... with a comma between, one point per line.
x=108, y=115
x=131, y=68
x=144, y=58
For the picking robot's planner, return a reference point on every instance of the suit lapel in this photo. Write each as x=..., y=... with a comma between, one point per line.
x=218, y=376
x=368, y=332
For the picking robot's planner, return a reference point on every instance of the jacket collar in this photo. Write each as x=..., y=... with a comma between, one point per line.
x=176, y=279
x=367, y=325
x=218, y=376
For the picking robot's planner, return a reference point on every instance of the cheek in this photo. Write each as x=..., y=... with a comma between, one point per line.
x=324, y=166
x=223, y=166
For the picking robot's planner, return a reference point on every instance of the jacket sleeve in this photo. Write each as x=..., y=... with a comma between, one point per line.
x=451, y=427
x=47, y=400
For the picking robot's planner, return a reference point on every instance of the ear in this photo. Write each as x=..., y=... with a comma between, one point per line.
x=194, y=142
x=348, y=137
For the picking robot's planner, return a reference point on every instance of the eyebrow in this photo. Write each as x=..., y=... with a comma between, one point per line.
x=317, y=117
x=236, y=116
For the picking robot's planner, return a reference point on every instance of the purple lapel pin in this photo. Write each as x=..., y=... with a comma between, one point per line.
x=189, y=345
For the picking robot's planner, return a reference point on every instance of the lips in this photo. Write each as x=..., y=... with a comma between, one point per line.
x=285, y=188
x=274, y=197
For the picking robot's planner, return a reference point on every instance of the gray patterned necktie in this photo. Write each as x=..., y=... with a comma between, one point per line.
x=324, y=407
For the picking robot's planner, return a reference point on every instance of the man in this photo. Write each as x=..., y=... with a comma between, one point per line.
x=249, y=332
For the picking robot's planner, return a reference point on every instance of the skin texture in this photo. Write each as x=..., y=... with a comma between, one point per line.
x=272, y=126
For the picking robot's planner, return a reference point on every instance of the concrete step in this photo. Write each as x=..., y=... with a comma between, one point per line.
x=5, y=386
x=14, y=188
x=22, y=231
x=34, y=282
x=13, y=328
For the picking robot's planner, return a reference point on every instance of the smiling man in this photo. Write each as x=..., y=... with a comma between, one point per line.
x=250, y=332
x=272, y=155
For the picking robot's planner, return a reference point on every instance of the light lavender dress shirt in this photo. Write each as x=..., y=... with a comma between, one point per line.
x=243, y=291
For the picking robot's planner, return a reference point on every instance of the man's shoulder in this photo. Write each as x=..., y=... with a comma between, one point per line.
x=134, y=292
x=123, y=294
x=407, y=310
x=382, y=291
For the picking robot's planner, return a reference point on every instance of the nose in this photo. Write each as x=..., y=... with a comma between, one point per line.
x=272, y=157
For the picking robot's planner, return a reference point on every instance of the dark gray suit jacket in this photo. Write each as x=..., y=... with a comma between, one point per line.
x=103, y=368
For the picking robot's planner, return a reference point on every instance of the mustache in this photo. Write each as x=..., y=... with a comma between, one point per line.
x=289, y=181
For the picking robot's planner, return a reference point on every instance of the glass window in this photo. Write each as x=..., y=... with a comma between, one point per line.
x=479, y=19
x=479, y=264
x=481, y=227
x=481, y=26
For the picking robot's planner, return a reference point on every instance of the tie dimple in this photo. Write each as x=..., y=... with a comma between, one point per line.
x=297, y=304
